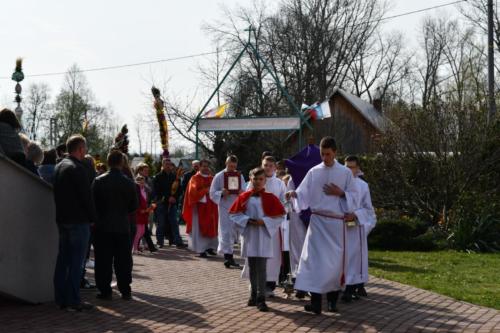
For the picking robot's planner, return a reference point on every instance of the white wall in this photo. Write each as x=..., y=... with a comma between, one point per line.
x=28, y=235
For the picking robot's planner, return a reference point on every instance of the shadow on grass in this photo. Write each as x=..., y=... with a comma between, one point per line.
x=391, y=266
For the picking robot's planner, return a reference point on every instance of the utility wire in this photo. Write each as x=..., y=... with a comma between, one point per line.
x=420, y=10
x=105, y=68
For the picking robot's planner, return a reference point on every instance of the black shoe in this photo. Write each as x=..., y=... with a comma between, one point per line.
x=203, y=255
x=80, y=307
x=154, y=249
x=181, y=246
x=262, y=306
x=211, y=252
x=361, y=291
x=233, y=263
x=160, y=246
x=87, y=285
x=310, y=308
x=252, y=301
x=127, y=297
x=300, y=294
x=315, y=305
x=227, y=264
x=347, y=295
x=332, y=301
x=104, y=297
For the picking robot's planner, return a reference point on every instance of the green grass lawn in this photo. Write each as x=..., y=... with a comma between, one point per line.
x=473, y=278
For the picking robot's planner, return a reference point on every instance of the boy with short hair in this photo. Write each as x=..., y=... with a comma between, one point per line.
x=277, y=187
x=330, y=192
x=258, y=215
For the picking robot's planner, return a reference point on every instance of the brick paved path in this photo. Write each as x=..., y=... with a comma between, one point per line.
x=177, y=292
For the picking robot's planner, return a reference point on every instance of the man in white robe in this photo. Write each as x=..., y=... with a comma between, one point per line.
x=219, y=194
x=329, y=191
x=258, y=215
x=363, y=220
x=297, y=235
x=277, y=187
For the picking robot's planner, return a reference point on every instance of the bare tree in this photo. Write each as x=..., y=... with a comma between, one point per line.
x=37, y=104
x=435, y=35
x=381, y=66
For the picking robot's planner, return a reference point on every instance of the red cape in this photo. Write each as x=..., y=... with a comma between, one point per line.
x=271, y=205
x=197, y=188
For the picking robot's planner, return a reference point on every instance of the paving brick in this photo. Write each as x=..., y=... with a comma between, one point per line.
x=173, y=291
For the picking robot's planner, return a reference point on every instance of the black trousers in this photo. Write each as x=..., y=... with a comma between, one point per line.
x=147, y=237
x=113, y=250
x=257, y=272
x=285, y=267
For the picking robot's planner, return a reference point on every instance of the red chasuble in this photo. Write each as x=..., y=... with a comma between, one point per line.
x=197, y=188
x=271, y=205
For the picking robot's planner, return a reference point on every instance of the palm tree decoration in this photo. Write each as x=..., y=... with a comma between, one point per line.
x=159, y=106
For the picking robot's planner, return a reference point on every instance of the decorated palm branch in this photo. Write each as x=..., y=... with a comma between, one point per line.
x=159, y=105
x=121, y=140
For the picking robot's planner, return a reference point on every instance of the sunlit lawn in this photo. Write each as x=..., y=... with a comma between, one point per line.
x=473, y=278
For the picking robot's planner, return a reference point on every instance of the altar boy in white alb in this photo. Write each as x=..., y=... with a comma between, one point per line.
x=223, y=194
x=360, y=223
x=258, y=214
x=277, y=187
x=329, y=191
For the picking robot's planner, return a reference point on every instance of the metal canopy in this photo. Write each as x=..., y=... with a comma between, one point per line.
x=248, y=124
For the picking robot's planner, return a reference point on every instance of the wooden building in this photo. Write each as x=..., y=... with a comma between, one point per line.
x=354, y=124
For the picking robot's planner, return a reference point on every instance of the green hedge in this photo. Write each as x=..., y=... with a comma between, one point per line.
x=402, y=233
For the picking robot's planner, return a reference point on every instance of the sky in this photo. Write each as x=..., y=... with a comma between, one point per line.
x=51, y=35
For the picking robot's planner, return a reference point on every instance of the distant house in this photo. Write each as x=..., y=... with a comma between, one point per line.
x=354, y=124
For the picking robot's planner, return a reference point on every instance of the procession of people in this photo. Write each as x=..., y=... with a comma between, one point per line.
x=304, y=224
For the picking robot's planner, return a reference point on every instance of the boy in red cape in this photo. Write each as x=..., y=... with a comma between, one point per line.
x=200, y=213
x=258, y=215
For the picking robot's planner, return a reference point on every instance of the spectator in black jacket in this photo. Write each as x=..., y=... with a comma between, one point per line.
x=166, y=211
x=115, y=198
x=74, y=213
x=10, y=142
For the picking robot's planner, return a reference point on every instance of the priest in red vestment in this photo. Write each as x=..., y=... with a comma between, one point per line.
x=200, y=213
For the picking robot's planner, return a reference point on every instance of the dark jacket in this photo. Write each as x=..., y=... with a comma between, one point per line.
x=185, y=180
x=46, y=171
x=32, y=168
x=162, y=186
x=115, y=198
x=72, y=193
x=11, y=144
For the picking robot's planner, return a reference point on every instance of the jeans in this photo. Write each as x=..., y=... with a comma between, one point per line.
x=166, y=217
x=73, y=245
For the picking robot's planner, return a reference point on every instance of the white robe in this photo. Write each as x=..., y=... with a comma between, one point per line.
x=256, y=241
x=196, y=241
x=356, y=238
x=322, y=261
x=297, y=235
x=277, y=187
x=228, y=233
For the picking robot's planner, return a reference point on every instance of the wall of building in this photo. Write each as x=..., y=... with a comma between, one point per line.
x=28, y=235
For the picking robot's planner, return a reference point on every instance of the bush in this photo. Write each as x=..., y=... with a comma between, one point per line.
x=475, y=223
x=402, y=233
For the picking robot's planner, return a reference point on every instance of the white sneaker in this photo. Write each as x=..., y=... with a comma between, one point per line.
x=90, y=264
